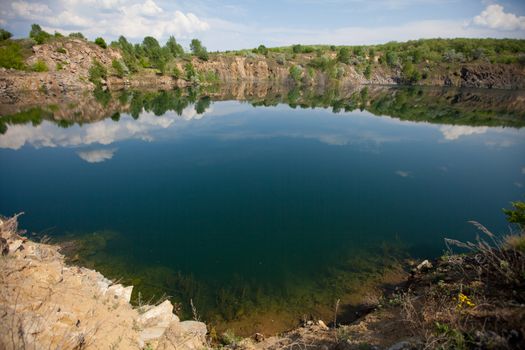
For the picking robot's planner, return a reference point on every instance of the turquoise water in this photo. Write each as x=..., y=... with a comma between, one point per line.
x=270, y=196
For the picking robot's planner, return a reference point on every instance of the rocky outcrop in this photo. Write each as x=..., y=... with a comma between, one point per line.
x=69, y=60
x=45, y=304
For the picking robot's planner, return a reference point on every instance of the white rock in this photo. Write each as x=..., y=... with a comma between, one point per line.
x=15, y=245
x=323, y=325
x=425, y=265
x=120, y=291
x=160, y=315
x=152, y=333
x=193, y=327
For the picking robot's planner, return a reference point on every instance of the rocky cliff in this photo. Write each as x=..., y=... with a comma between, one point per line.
x=68, y=62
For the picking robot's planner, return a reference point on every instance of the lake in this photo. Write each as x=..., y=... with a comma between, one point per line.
x=258, y=202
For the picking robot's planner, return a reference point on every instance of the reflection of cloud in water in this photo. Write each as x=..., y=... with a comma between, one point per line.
x=103, y=132
x=404, y=173
x=454, y=132
x=518, y=184
x=97, y=155
x=523, y=170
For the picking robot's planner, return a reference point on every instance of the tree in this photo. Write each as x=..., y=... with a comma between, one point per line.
x=262, y=50
x=4, y=34
x=38, y=35
x=343, y=55
x=199, y=50
x=175, y=48
x=410, y=73
x=101, y=42
x=151, y=49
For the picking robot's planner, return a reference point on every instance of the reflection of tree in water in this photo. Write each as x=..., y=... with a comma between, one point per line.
x=435, y=105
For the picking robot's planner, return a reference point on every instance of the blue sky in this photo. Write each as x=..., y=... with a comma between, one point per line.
x=230, y=24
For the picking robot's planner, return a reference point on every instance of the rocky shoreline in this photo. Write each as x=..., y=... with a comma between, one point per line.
x=457, y=301
x=47, y=304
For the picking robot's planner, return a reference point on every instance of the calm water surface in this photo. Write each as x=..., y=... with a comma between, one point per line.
x=237, y=207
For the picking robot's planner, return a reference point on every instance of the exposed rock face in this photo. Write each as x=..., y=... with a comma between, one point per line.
x=45, y=304
x=69, y=61
x=492, y=76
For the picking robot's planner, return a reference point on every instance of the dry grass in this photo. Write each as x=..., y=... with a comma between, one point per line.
x=473, y=300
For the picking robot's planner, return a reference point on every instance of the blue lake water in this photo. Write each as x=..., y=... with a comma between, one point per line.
x=267, y=197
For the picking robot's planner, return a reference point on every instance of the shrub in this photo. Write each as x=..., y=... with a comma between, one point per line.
x=40, y=66
x=262, y=50
x=4, y=34
x=77, y=35
x=97, y=72
x=38, y=35
x=101, y=42
x=410, y=73
x=59, y=66
x=190, y=71
x=176, y=73
x=120, y=68
x=11, y=56
x=368, y=71
x=61, y=50
x=391, y=58
x=296, y=73
x=343, y=55
x=516, y=215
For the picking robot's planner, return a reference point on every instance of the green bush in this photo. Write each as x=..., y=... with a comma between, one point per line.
x=176, y=73
x=410, y=73
x=343, y=55
x=101, y=42
x=97, y=72
x=40, y=66
x=120, y=69
x=262, y=50
x=368, y=71
x=4, y=34
x=11, y=55
x=190, y=71
x=77, y=35
x=61, y=50
x=38, y=35
x=296, y=73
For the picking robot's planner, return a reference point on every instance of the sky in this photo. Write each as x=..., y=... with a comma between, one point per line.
x=234, y=24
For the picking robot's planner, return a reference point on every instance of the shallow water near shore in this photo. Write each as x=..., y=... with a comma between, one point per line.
x=271, y=205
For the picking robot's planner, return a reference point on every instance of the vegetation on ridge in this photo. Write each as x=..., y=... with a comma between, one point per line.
x=412, y=62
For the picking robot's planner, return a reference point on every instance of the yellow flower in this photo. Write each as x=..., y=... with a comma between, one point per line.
x=464, y=300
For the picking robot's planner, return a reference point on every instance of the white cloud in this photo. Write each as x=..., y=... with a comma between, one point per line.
x=454, y=132
x=495, y=17
x=110, y=18
x=30, y=10
x=97, y=156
